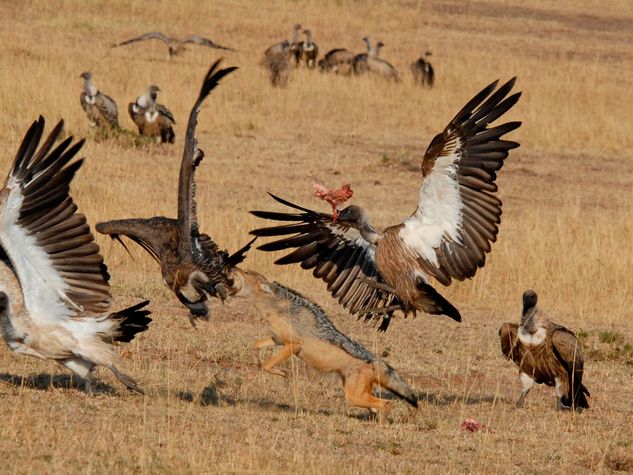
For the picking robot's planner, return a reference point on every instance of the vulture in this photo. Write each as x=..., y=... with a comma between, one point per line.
x=175, y=46
x=338, y=60
x=152, y=119
x=100, y=109
x=278, y=65
x=192, y=265
x=359, y=62
x=309, y=50
x=374, y=273
x=54, y=290
x=285, y=47
x=546, y=353
x=423, y=73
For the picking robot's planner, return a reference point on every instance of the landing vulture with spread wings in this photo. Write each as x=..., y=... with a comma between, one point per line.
x=192, y=264
x=175, y=46
x=54, y=292
x=374, y=273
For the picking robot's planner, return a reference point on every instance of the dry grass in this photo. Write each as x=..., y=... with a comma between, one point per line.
x=567, y=231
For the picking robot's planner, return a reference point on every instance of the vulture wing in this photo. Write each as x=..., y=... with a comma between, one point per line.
x=155, y=235
x=509, y=341
x=162, y=110
x=49, y=244
x=569, y=352
x=198, y=40
x=458, y=213
x=339, y=256
x=191, y=158
x=154, y=35
x=108, y=108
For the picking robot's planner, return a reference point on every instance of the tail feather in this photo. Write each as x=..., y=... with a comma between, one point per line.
x=578, y=398
x=132, y=320
x=388, y=378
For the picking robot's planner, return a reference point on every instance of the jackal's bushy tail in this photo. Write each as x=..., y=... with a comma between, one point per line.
x=388, y=378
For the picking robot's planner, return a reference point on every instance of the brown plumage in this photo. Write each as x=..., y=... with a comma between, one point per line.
x=374, y=273
x=309, y=50
x=423, y=72
x=338, y=60
x=175, y=46
x=546, y=353
x=100, y=108
x=151, y=118
x=277, y=63
x=192, y=265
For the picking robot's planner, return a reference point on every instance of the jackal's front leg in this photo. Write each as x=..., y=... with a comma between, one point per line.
x=259, y=344
x=286, y=352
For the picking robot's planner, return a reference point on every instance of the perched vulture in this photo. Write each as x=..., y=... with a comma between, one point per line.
x=338, y=60
x=192, y=265
x=309, y=50
x=175, y=46
x=54, y=291
x=278, y=65
x=423, y=73
x=374, y=273
x=152, y=119
x=100, y=109
x=546, y=353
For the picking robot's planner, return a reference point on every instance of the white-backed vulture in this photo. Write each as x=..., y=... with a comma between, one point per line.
x=100, y=109
x=151, y=118
x=546, y=353
x=422, y=70
x=359, y=62
x=54, y=291
x=374, y=273
x=175, y=46
x=309, y=50
x=338, y=60
x=192, y=265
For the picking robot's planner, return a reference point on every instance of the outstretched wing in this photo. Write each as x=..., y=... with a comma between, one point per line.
x=191, y=158
x=458, y=214
x=49, y=244
x=153, y=35
x=339, y=256
x=156, y=235
x=198, y=40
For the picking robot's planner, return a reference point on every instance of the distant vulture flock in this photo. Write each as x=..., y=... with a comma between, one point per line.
x=54, y=286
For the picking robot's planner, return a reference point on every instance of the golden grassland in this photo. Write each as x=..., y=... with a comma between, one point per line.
x=567, y=231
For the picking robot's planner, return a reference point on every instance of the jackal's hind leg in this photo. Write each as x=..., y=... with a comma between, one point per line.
x=358, y=386
x=286, y=352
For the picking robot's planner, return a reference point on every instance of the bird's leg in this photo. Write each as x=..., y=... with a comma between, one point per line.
x=527, y=382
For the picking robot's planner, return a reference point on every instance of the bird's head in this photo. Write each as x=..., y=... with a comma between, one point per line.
x=353, y=216
x=428, y=53
x=153, y=91
x=379, y=45
x=86, y=75
x=529, y=304
x=297, y=27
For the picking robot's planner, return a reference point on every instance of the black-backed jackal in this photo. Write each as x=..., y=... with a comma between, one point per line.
x=303, y=329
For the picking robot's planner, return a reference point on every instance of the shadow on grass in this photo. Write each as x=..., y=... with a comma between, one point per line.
x=438, y=399
x=44, y=382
